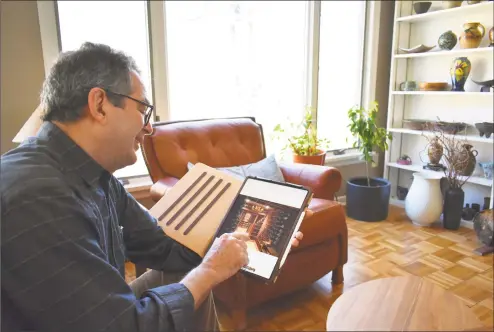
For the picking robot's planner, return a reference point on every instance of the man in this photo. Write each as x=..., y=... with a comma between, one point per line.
x=68, y=225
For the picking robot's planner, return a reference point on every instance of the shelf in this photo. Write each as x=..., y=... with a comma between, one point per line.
x=418, y=168
x=486, y=6
x=455, y=52
x=444, y=93
x=470, y=138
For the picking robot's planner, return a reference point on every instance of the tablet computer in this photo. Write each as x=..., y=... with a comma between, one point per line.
x=270, y=213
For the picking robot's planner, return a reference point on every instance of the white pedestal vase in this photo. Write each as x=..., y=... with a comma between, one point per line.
x=424, y=201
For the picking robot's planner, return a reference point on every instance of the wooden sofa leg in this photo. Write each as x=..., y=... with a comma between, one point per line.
x=239, y=317
x=337, y=275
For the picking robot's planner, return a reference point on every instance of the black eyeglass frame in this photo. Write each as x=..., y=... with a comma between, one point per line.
x=147, y=113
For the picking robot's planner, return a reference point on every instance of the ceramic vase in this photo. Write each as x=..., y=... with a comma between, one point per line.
x=472, y=35
x=424, y=201
x=447, y=41
x=459, y=71
x=466, y=160
x=453, y=208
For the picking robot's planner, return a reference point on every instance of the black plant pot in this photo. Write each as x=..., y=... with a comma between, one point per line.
x=453, y=207
x=366, y=203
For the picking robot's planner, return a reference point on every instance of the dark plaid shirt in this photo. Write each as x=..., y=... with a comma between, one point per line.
x=67, y=227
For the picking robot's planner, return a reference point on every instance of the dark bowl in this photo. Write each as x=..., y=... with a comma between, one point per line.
x=422, y=7
x=485, y=128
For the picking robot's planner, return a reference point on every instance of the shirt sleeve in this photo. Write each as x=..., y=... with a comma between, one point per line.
x=55, y=273
x=145, y=241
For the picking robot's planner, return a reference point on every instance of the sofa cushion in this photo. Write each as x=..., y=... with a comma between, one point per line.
x=266, y=168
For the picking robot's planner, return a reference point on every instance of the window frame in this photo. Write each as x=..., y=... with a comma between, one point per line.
x=156, y=25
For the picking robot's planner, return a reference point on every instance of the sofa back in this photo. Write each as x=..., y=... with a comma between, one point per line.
x=222, y=142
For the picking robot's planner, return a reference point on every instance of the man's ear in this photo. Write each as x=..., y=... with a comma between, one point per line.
x=96, y=101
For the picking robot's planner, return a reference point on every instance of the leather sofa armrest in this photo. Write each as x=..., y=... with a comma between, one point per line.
x=324, y=181
x=159, y=188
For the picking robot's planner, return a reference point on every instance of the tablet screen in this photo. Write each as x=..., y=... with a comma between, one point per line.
x=268, y=213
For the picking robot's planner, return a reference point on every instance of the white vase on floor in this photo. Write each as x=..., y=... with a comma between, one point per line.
x=424, y=201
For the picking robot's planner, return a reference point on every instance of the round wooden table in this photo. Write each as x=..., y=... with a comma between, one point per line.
x=400, y=304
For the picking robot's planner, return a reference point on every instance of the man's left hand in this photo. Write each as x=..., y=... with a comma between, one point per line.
x=299, y=236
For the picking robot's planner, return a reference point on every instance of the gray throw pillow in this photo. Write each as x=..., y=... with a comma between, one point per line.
x=267, y=168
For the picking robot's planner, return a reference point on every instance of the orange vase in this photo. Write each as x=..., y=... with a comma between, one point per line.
x=472, y=35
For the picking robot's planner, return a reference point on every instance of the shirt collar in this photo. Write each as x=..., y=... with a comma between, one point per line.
x=71, y=156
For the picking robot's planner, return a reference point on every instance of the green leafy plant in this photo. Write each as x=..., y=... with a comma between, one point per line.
x=302, y=137
x=368, y=134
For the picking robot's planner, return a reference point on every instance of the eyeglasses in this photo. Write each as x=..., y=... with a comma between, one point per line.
x=147, y=112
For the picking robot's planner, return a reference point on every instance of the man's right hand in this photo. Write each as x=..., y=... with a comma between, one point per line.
x=227, y=256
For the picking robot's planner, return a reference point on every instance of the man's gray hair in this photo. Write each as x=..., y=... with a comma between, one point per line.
x=65, y=90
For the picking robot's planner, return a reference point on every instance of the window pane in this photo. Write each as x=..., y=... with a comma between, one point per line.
x=341, y=51
x=236, y=58
x=121, y=25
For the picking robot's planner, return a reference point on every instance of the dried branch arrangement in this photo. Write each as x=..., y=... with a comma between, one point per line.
x=455, y=156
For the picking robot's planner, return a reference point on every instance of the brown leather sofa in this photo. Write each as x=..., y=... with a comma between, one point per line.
x=239, y=141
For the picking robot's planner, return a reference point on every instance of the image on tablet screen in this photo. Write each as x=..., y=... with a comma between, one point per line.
x=267, y=223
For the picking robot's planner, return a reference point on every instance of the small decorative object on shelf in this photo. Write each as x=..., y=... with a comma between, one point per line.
x=487, y=169
x=417, y=49
x=415, y=124
x=485, y=128
x=472, y=35
x=491, y=37
x=435, y=151
x=447, y=41
x=459, y=71
x=483, y=223
x=473, y=2
x=468, y=213
x=450, y=127
x=401, y=193
x=408, y=86
x=422, y=7
x=466, y=160
x=451, y=4
x=487, y=86
x=433, y=86
x=487, y=203
x=404, y=160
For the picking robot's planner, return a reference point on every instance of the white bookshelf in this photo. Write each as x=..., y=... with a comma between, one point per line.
x=439, y=52
x=470, y=106
x=469, y=138
x=446, y=93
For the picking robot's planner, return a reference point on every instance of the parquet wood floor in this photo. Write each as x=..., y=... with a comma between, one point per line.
x=393, y=247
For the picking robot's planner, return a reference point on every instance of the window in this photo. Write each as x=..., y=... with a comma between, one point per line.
x=121, y=25
x=341, y=58
x=233, y=58
x=236, y=58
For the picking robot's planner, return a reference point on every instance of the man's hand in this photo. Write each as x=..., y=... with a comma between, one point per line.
x=299, y=236
x=227, y=255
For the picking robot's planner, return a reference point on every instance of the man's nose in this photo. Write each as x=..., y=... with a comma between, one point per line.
x=148, y=129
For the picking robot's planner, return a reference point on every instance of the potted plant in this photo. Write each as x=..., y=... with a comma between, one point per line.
x=302, y=140
x=367, y=198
